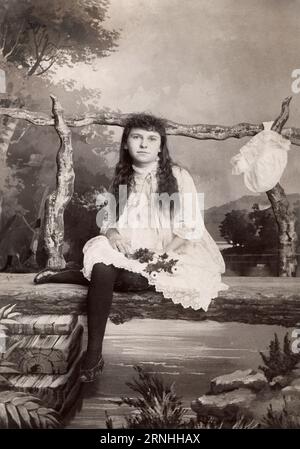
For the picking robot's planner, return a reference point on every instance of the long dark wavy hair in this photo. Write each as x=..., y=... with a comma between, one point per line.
x=124, y=173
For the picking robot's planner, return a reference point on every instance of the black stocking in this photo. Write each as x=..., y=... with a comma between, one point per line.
x=99, y=300
x=104, y=279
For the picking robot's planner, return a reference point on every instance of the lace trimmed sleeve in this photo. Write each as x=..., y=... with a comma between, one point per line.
x=188, y=222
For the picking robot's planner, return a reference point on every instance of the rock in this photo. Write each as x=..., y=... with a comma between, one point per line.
x=280, y=381
x=225, y=405
x=239, y=379
x=261, y=405
x=291, y=395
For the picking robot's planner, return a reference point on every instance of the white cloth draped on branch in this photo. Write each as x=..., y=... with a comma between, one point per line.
x=262, y=160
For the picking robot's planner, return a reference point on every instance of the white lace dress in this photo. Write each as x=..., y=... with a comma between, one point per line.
x=200, y=263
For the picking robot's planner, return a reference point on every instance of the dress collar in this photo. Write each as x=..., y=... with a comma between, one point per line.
x=143, y=171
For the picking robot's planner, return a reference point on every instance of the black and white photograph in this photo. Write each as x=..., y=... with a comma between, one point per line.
x=149, y=215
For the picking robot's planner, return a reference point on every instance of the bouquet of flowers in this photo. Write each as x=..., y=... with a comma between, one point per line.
x=155, y=262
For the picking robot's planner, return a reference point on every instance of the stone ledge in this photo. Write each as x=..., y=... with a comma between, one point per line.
x=249, y=299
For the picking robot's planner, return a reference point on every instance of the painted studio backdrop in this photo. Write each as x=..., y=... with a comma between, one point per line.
x=70, y=73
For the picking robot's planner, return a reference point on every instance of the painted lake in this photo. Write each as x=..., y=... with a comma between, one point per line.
x=188, y=353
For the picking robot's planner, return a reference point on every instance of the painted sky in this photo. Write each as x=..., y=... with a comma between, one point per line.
x=203, y=61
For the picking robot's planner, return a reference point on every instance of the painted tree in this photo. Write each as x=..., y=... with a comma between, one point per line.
x=35, y=164
x=37, y=37
x=266, y=229
x=237, y=228
x=254, y=231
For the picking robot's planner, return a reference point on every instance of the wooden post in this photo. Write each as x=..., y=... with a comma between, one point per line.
x=283, y=211
x=59, y=199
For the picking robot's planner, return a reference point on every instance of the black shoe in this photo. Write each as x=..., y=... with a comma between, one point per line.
x=45, y=275
x=64, y=276
x=91, y=374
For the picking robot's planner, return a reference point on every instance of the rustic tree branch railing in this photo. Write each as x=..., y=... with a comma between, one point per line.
x=196, y=131
x=58, y=200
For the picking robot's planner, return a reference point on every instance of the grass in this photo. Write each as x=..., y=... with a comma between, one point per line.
x=159, y=407
x=279, y=362
x=281, y=419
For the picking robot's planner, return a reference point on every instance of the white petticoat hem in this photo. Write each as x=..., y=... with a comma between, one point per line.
x=177, y=287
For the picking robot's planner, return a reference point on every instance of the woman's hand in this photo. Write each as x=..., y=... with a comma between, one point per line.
x=118, y=242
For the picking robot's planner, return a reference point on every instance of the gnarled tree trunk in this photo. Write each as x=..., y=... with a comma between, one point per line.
x=58, y=200
x=283, y=212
